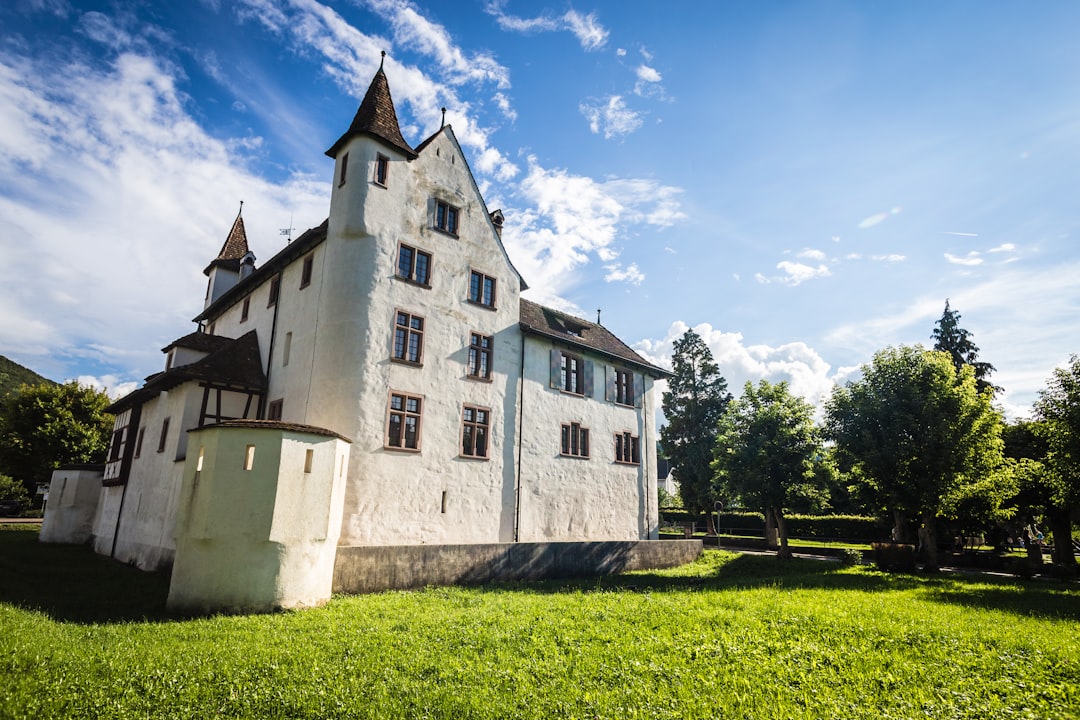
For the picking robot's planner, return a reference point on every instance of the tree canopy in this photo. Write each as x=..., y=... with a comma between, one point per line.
x=1058, y=409
x=45, y=426
x=696, y=397
x=765, y=449
x=951, y=338
x=916, y=429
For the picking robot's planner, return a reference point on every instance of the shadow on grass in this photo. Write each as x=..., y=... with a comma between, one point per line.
x=74, y=584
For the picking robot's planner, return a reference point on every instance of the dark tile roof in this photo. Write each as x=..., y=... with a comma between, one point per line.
x=546, y=322
x=376, y=117
x=234, y=249
x=275, y=425
x=235, y=363
x=200, y=342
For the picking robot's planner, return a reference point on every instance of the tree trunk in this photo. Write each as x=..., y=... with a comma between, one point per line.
x=784, y=552
x=1061, y=527
x=770, y=530
x=710, y=526
x=899, y=531
x=930, y=541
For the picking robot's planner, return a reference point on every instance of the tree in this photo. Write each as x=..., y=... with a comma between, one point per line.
x=951, y=338
x=13, y=497
x=1058, y=407
x=916, y=430
x=765, y=450
x=696, y=397
x=45, y=426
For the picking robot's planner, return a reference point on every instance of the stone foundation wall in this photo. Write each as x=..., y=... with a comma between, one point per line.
x=369, y=568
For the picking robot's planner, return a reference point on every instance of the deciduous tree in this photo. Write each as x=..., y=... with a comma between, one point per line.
x=45, y=426
x=916, y=429
x=1058, y=407
x=696, y=397
x=765, y=450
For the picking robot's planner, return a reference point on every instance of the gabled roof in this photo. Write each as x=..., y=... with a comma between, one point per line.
x=546, y=322
x=235, y=362
x=377, y=118
x=234, y=249
x=200, y=342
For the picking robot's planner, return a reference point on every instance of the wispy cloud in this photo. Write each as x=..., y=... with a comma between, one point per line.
x=971, y=259
x=793, y=273
x=586, y=28
x=961, y=234
x=611, y=118
x=648, y=81
x=878, y=218
x=630, y=274
x=1004, y=247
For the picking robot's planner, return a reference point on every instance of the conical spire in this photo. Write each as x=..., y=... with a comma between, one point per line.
x=376, y=117
x=235, y=247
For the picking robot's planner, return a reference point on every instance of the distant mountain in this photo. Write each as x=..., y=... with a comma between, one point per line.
x=13, y=375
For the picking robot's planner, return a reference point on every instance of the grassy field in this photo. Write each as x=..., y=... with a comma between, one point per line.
x=727, y=637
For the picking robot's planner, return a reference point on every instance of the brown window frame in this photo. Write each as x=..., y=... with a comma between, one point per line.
x=138, y=442
x=624, y=387
x=164, y=435
x=481, y=356
x=574, y=441
x=572, y=374
x=474, y=419
x=245, y=309
x=627, y=448
x=344, y=169
x=403, y=413
x=413, y=263
x=275, y=409
x=478, y=289
x=405, y=332
x=447, y=218
x=275, y=288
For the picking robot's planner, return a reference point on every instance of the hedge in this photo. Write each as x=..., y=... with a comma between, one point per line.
x=853, y=527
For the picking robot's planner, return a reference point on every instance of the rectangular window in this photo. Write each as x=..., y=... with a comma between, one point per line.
x=575, y=440
x=344, y=169
x=115, y=445
x=249, y=457
x=481, y=289
x=480, y=356
x=627, y=448
x=287, y=350
x=275, y=283
x=164, y=435
x=138, y=442
x=446, y=217
x=403, y=421
x=309, y=459
x=274, y=409
x=475, y=426
x=570, y=373
x=408, y=338
x=244, y=309
x=382, y=167
x=305, y=274
x=414, y=265
x=624, y=387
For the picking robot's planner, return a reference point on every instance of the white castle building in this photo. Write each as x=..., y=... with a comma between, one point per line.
x=378, y=383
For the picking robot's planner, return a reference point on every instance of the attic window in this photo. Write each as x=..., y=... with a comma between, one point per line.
x=344, y=169
x=574, y=330
x=305, y=273
x=244, y=309
x=446, y=217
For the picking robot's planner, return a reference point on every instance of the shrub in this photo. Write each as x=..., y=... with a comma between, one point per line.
x=894, y=557
x=850, y=556
x=13, y=497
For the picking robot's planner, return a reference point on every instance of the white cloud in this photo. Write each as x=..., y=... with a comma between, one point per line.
x=878, y=218
x=971, y=259
x=567, y=219
x=611, y=118
x=793, y=273
x=889, y=258
x=648, y=81
x=805, y=371
x=586, y=28
x=503, y=103
x=1004, y=247
x=630, y=274
x=812, y=254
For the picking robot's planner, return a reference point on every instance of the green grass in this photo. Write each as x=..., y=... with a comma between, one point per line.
x=726, y=637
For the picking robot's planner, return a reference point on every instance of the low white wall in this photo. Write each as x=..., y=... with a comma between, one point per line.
x=72, y=505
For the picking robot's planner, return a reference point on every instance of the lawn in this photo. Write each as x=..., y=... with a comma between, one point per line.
x=729, y=636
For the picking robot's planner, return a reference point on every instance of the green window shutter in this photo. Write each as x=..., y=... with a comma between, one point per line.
x=555, y=368
x=639, y=388
x=609, y=385
x=587, y=382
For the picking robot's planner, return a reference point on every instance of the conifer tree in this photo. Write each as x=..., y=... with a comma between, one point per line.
x=951, y=338
x=693, y=404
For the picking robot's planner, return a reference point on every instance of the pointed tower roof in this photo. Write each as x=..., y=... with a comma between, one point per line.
x=235, y=247
x=377, y=118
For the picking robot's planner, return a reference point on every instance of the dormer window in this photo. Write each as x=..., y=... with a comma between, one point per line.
x=446, y=217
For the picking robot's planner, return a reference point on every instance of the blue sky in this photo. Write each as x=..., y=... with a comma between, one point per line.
x=804, y=183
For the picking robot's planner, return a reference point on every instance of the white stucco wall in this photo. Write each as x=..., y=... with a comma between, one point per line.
x=74, y=494
x=258, y=538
